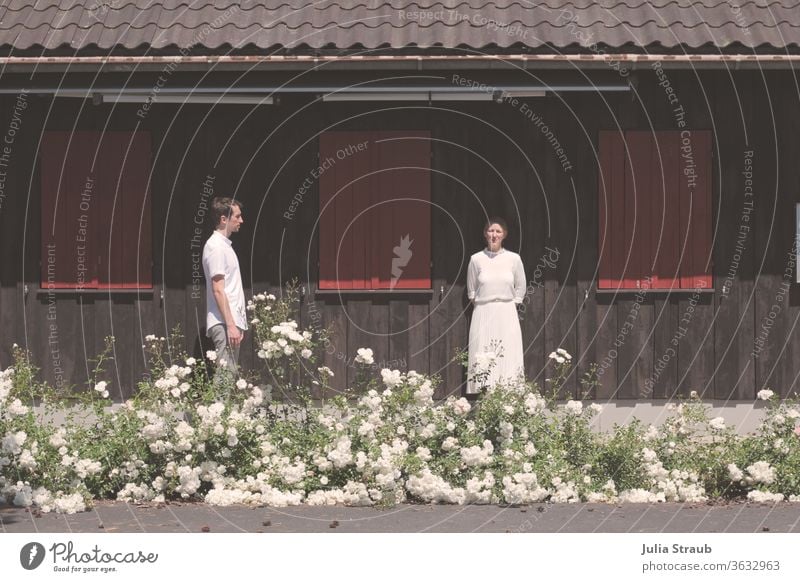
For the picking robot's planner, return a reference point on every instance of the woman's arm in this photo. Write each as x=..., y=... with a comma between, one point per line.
x=520, y=284
x=472, y=279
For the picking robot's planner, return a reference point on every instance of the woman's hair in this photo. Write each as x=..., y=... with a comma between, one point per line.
x=496, y=220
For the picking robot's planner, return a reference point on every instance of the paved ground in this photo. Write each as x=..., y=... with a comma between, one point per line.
x=579, y=518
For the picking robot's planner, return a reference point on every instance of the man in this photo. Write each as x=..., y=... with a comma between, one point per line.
x=226, y=320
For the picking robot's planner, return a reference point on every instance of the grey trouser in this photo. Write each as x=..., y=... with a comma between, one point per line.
x=219, y=335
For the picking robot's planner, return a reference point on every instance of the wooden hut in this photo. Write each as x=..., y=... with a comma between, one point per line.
x=644, y=155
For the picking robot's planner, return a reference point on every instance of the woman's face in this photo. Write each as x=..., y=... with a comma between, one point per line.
x=494, y=235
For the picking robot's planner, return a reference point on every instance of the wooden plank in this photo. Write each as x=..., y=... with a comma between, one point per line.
x=387, y=159
x=29, y=312
x=398, y=334
x=560, y=281
x=127, y=345
x=788, y=367
x=665, y=212
x=641, y=153
x=664, y=248
x=148, y=316
x=112, y=148
x=521, y=169
x=419, y=335
x=593, y=259
x=766, y=267
x=701, y=219
x=100, y=320
x=777, y=313
x=21, y=172
x=695, y=350
x=185, y=153
x=347, y=254
x=136, y=239
x=327, y=211
x=403, y=230
x=664, y=377
x=664, y=242
x=453, y=212
x=635, y=310
x=696, y=310
x=336, y=354
x=734, y=370
x=605, y=207
x=358, y=225
x=613, y=156
x=630, y=253
x=368, y=325
x=689, y=206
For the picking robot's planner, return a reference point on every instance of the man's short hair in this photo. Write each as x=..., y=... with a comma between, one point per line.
x=223, y=207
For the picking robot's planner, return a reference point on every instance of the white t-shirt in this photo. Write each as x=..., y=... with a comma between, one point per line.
x=219, y=258
x=495, y=277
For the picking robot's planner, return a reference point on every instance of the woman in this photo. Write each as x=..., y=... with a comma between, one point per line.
x=495, y=284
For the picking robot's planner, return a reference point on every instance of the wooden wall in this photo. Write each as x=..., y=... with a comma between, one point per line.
x=488, y=158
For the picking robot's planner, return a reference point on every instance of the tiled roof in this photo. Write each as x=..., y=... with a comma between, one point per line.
x=477, y=24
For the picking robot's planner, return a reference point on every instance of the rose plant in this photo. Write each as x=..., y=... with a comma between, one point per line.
x=192, y=433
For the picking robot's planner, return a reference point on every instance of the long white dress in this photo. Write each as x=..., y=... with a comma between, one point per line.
x=495, y=284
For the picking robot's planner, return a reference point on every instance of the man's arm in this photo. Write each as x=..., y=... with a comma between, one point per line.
x=218, y=288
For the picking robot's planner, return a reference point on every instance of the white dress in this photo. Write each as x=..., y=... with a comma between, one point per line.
x=495, y=284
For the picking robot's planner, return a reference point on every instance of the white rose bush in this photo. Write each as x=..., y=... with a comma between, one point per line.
x=189, y=433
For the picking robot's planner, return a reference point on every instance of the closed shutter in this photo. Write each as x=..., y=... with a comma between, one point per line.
x=96, y=217
x=655, y=210
x=374, y=210
x=69, y=184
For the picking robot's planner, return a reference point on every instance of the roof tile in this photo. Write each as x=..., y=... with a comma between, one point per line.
x=143, y=24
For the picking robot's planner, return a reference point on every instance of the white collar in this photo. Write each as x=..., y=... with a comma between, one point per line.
x=493, y=254
x=225, y=238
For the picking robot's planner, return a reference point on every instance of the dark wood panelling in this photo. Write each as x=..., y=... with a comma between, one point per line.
x=734, y=239
x=696, y=309
x=786, y=108
x=398, y=334
x=635, y=309
x=775, y=267
x=499, y=162
x=418, y=322
x=560, y=281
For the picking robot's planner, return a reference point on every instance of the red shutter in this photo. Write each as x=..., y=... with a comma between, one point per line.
x=357, y=226
x=375, y=192
x=345, y=198
x=697, y=192
x=638, y=197
x=124, y=238
x=402, y=253
x=137, y=203
x=655, y=210
x=68, y=255
x=109, y=203
x=665, y=211
x=96, y=210
x=612, y=210
x=328, y=200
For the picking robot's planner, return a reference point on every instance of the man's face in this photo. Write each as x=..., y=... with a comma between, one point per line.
x=234, y=222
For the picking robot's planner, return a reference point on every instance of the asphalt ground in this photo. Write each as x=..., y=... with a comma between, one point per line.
x=541, y=518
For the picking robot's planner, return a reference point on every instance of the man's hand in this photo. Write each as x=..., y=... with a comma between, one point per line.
x=235, y=336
